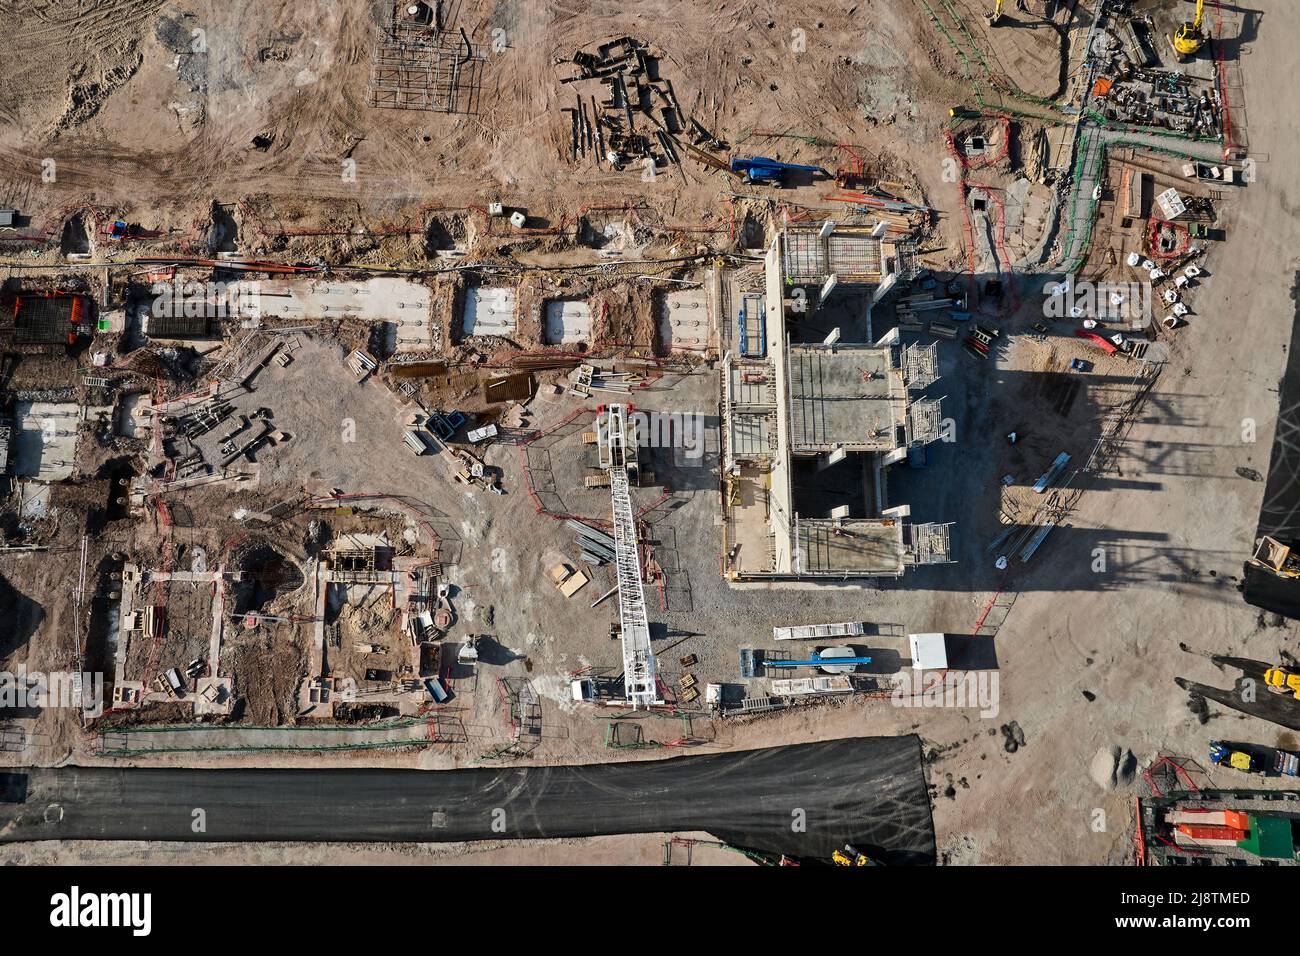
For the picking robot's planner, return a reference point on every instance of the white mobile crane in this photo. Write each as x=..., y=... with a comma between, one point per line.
x=639, y=682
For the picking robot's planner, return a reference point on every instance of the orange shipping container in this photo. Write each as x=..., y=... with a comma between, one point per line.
x=1237, y=819
x=1211, y=833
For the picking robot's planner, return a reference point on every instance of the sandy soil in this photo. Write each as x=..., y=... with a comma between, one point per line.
x=142, y=124
x=636, y=850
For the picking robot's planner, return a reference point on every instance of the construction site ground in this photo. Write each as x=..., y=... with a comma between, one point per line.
x=1086, y=635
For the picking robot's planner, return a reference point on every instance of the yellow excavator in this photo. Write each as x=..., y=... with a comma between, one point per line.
x=1189, y=39
x=1282, y=681
x=995, y=18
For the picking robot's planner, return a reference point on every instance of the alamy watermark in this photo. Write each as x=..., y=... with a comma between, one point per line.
x=75, y=909
x=41, y=690
x=1126, y=302
x=684, y=430
x=970, y=690
x=209, y=299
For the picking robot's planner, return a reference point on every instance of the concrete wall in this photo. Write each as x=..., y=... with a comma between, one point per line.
x=782, y=519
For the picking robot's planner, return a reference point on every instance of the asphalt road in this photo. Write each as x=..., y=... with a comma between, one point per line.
x=804, y=800
x=1279, y=513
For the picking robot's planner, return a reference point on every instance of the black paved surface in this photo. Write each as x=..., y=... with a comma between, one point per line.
x=1279, y=514
x=870, y=792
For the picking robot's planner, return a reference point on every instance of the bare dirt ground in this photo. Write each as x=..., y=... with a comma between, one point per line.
x=633, y=850
x=159, y=132
x=1087, y=657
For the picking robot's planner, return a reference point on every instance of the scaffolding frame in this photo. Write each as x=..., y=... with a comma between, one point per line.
x=752, y=323
x=749, y=410
x=425, y=70
x=925, y=420
x=850, y=253
x=928, y=543
x=920, y=365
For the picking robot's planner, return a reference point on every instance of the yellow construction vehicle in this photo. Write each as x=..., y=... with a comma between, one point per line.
x=995, y=17
x=1189, y=39
x=851, y=856
x=1272, y=555
x=1281, y=681
x=1222, y=755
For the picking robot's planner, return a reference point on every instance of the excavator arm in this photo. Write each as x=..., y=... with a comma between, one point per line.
x=1189, y=39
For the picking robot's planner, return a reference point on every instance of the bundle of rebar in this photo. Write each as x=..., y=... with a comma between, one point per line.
x=597, y=547
x=533, y=363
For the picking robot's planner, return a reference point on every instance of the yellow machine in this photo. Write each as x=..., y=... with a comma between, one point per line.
x=1222, y=755
x=996, y=16
x=1272, y=555
x=1282, y=681
x=1189, y=39
x=851, y=856
x=1241, y=761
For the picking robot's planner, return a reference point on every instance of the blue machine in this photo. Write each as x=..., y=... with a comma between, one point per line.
x=759, y=314
x=760, y=170
x=747, y=669
x=818, y=661
x=445, y=426
x=436, y=690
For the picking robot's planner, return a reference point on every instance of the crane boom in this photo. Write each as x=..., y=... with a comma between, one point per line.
x=639, y=683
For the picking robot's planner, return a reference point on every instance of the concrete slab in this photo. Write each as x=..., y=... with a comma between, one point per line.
x=751, y=435
x=684, y=320
x=850, y=252
x=125, y=423
x=33, y=500
x=489, y=310
x=45, y=440
x=568, y=321
x=1016, y=195
x=846, y=397
x=213, y=695
x=866, y=546
x=400, y=301
x=752, y=384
